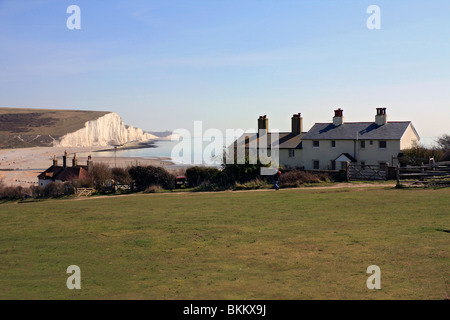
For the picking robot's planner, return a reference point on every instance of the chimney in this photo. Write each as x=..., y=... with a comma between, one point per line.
x=263, y=123
x=65, y=159
x=297, y=124
x=381, y=117
x=74, y=160
x=89, y=163
x=338, y=118
x=55, y=162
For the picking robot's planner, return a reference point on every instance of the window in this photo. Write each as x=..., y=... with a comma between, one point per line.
x=316, y=164
x=363, y=165
x=363, y=144
x=371, y=142
x=382, y=144
x=291, y=153
x=344, y=165
x=333, y=143
x=315, y=143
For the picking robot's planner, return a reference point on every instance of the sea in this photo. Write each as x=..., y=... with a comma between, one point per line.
x=164, y=149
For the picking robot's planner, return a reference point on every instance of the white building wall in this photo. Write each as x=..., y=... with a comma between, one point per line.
x=372, y=154
x=291, y=162
x=325, y=153
x=409, y=139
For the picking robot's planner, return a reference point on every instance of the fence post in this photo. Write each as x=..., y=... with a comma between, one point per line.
x=397, y=173
x=387, y=170
x=422, y=176
x=347, y=170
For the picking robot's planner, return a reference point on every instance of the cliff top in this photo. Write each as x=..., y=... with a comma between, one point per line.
x=28, y=121
x=27, y=127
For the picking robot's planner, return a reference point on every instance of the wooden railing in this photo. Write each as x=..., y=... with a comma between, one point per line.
x=434, y=174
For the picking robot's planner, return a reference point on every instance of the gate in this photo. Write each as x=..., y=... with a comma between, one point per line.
x=366, y=172
x=80, y=192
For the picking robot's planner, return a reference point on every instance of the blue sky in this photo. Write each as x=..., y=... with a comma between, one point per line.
x=165, y=64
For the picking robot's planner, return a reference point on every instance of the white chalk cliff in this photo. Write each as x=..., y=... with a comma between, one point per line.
x=105, y=131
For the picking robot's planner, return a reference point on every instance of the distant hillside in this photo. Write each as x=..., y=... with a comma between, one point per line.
x=161, y=134
x=21, y=128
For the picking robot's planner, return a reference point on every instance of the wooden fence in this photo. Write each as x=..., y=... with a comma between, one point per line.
x=434, y=174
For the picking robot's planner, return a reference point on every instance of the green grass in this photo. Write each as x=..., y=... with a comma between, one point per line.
x=290, y=244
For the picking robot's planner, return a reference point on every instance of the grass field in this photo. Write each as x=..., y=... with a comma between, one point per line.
x=291, y=244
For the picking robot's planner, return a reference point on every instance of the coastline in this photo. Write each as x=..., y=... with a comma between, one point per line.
x=131, y=146
x=22, y=166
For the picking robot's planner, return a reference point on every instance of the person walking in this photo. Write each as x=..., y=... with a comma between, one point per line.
x=276, y=176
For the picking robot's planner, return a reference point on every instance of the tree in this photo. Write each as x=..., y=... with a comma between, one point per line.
x=101, y=174
x=444, y=142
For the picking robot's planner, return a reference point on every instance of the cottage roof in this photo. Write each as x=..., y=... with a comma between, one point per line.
x=286, y=140
x=64, y=174
x=393, y=130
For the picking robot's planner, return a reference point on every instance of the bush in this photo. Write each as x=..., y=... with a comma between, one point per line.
x=68, y=188
x=13, y=193
x=145, y=177
x=37, y=191
x=53, y=190
x=121, y=175
x=83, y=183
x=153, y=189
x=207, y=186
x=252, y=185
x=242, y=172
x=296, y=178
x=420, y=154
x=198, y=175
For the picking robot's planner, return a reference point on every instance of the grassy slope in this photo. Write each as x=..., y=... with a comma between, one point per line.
x=291, y=244
x=65, y=120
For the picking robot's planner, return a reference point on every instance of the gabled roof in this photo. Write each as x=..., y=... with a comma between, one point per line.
x=345, y=157
x=393, y=130
x=286, y=140
x=65, y=174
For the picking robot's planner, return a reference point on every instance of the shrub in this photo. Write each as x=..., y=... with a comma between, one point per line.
x=296, y=178
x=207, y=186
x=242, y=172
x=252, y=185
x=144, y=177
x=420, y=154
x=83, y=183
x=68, y=188
x=153, y=189
x=121, y=175
x=54, y=189
x=198, y=175
x=37, y=191
x=12, y=193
